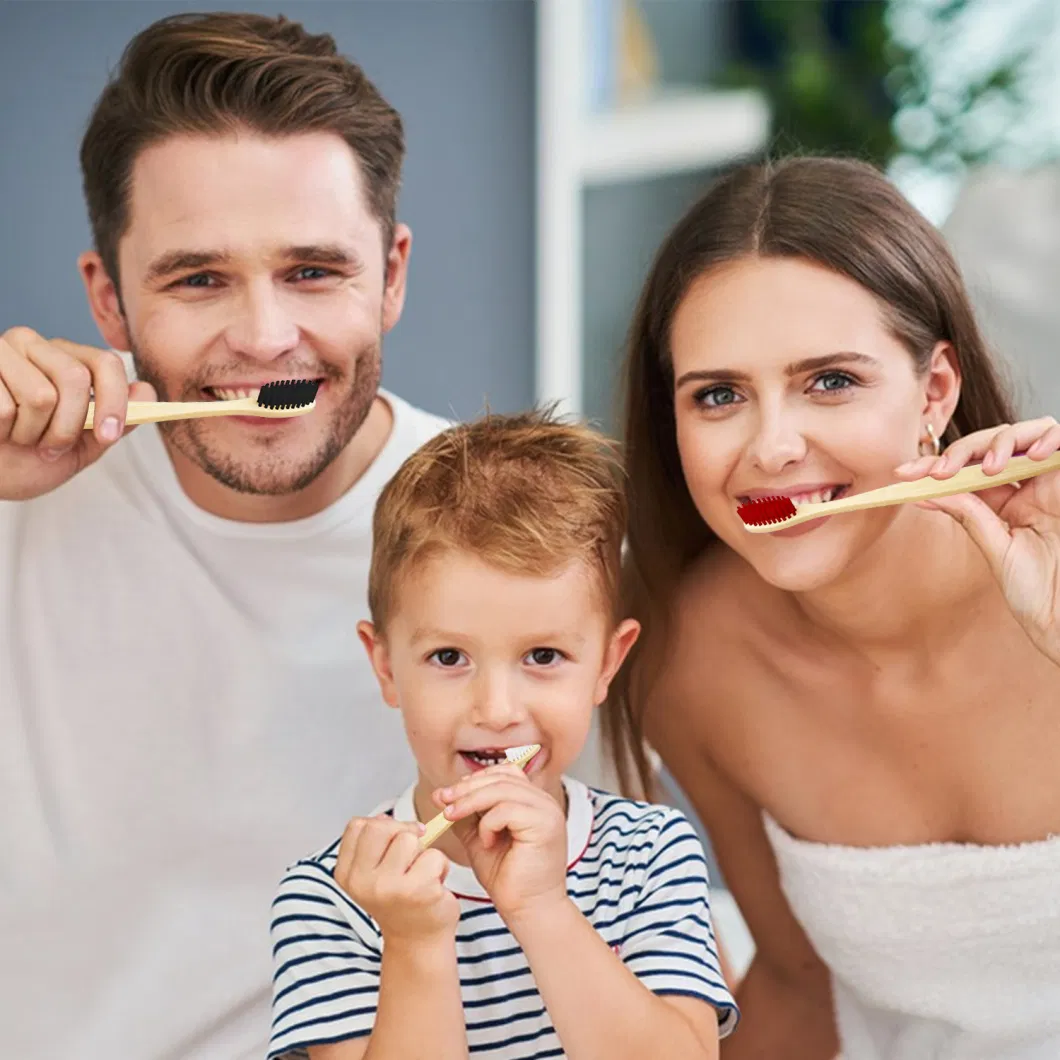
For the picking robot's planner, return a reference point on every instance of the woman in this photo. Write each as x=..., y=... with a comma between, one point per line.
x=865, y=710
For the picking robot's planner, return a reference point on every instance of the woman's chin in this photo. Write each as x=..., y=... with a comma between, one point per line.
x=802, y=565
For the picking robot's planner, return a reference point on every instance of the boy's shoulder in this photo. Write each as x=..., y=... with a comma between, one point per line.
x=640, y=829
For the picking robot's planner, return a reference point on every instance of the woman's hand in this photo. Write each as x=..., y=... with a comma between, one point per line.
x=1017, y=526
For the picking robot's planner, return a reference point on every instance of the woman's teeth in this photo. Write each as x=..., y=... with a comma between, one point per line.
x=818, y=496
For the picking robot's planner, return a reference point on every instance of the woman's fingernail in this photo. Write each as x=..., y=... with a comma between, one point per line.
x=450, y=809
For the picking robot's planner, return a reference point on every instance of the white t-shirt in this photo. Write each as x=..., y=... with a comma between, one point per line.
x=636, y=871
x=184, y=709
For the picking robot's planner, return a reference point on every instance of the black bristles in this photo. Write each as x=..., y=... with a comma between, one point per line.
x=288, y=394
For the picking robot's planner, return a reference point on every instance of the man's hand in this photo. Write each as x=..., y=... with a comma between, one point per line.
x=45, y=388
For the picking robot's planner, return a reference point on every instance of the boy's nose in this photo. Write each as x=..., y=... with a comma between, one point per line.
x=497, y=705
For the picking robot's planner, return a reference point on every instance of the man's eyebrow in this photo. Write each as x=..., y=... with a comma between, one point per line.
x=324, y=254
x=189, y=260
x=183, y=260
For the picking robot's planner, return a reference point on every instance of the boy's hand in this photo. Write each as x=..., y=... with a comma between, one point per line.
x=381, y=867
x=517, y=846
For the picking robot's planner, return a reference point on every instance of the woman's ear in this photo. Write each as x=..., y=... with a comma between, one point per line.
x=942, y=387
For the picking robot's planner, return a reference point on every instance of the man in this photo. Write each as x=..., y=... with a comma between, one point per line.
x=178, y=603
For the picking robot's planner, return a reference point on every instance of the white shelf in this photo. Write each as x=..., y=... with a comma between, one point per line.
x=579, y=149
x=672, y=134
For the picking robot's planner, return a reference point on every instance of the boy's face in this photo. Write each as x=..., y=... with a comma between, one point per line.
x=479, y=660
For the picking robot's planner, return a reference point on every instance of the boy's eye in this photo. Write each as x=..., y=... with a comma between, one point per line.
x=544, y=656
x=447, y=657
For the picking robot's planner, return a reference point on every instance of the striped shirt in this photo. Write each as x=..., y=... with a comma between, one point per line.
x=636, y=871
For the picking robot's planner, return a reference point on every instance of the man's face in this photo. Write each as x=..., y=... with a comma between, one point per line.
x=248, y=260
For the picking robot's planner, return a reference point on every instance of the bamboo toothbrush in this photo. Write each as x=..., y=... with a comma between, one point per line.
x=284, y=398
x=768, y=514
x=438, y=826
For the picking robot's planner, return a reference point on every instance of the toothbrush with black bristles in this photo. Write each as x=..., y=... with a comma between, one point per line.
x=282, y=399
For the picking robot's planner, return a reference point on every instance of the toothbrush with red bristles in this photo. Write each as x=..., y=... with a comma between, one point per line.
x=769, y=514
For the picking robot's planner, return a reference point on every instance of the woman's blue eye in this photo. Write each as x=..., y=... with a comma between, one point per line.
x=716, y=396
x=835, y=381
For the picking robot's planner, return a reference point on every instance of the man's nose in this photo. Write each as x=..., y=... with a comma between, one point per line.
x=264, y=328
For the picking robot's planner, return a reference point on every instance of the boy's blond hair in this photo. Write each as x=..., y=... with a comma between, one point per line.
x=526, y=493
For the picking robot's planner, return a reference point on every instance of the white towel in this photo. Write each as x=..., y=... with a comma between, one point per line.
x=945, y=951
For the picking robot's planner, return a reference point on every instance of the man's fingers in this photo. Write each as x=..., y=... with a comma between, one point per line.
x=72, y=382
x=110, y=388
x=33, y=394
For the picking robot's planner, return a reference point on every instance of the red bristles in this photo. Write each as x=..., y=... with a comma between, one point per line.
x=766, y=510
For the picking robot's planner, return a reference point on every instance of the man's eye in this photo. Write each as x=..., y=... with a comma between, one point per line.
x=198, y=279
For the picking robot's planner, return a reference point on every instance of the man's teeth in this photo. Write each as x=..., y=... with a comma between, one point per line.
x=228, y=394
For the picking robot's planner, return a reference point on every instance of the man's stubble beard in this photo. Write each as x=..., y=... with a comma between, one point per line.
x=264, y=471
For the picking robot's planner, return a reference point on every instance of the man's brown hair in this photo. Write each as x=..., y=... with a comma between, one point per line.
x=220, y=73
x=526, y=493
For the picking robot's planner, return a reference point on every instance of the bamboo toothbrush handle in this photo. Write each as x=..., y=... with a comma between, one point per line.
x=434, y=828
x=157, y=411
x=967, y=480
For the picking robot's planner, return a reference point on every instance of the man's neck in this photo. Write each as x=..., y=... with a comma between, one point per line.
x=331, y=484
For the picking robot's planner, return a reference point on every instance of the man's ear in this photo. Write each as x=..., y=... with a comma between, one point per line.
x=104, y=301
x=397, y=271
x=622, y=639
x=379, y=656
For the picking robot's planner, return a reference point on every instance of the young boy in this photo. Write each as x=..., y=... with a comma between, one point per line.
x=553, y=919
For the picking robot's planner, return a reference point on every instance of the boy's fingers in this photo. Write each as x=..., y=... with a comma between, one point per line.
x=400, y=853
x=347, y=847
x=482, y=778
x=487, y=796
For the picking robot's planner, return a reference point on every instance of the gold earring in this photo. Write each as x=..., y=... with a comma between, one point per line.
x=936, y=445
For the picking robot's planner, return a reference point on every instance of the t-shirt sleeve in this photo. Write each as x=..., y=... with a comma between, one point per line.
x=669, y=939
x=326, y=956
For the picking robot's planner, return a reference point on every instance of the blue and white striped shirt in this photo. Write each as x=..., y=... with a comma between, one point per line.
x=636, y=871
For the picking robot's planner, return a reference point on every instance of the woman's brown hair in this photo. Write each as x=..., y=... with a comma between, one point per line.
x=841, y=214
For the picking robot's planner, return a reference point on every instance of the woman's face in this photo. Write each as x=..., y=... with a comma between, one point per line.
x=787, y=381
